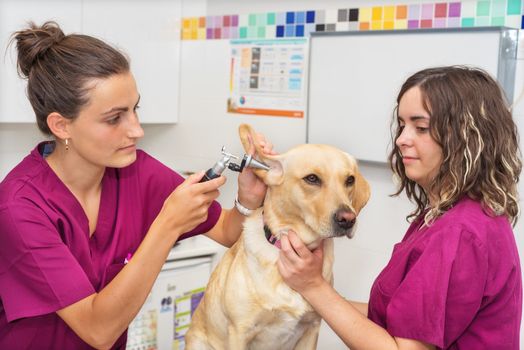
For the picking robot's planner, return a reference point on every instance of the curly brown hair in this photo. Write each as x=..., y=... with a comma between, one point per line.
x=472, y=123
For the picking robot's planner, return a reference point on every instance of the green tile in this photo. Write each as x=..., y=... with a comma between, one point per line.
x=483, y=21
x=271, y=18
x=514, y=7
x=261, y=19
x=242, y=32
x=252, y=20
x=498, y=9
x=483, y=8
x=498, y=21
x=468, y=22
x=252, y=32
x=261, y=32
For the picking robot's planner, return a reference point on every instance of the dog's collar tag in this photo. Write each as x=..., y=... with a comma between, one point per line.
x=271, y=238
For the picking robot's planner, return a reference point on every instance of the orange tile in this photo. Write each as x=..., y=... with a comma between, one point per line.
x=364, y=26
x=402, y=12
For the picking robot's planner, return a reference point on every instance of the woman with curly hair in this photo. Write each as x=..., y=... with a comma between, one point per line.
x=454, y=281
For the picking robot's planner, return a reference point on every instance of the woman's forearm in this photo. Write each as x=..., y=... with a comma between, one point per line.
x=348, y=319
x=102, y=317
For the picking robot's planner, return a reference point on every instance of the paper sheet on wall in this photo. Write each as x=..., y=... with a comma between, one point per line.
x=268, y=77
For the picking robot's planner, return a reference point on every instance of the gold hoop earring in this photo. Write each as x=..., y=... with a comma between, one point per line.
x=67, y=144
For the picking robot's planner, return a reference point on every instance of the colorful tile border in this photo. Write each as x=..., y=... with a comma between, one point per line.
x=296, y=24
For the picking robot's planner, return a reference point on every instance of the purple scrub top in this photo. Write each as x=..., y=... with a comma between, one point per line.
x=47, y=259
x=456, y=284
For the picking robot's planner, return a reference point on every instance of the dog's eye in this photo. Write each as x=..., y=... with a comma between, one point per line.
x=312, y=179
x=350, y=180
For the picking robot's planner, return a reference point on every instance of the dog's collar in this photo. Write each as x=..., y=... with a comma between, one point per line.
x=271, y=238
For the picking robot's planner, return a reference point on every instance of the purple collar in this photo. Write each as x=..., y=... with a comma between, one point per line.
x=271, y=238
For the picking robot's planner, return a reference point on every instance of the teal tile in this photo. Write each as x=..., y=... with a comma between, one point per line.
x=483, y=7
x=261, y=19
x=271, y=18
x=468, y=22
x=498, y=21
x=252, y=20
x=514, y=7
x=483, y=21
x=498, y=9
x=242, y=32
x=261, y=32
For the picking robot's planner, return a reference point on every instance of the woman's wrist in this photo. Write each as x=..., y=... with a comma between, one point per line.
x=315, y=289
x=247, y=202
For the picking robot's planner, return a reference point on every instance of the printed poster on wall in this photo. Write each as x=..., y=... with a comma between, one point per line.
x=268, y=77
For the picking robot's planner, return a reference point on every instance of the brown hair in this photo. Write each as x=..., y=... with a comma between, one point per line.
x=59, y=67
x=471, y=122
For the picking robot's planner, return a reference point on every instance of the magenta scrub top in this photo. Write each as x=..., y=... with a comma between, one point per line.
x=47, y=259
x=456, y=284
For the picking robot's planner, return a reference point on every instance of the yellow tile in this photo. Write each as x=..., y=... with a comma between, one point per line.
x=376, y=25
x=186, y=23
x=194, y=23
x=364, y=15
x=201, y=33
x=389, y=25
x=194, y=34
x=401, y=24
x=389, y=13
x=377, y=13
x=186, y=34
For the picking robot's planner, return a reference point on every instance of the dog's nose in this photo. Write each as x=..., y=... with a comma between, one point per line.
x=345, y=218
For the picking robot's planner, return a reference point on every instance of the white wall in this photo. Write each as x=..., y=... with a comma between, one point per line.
x=189, y=145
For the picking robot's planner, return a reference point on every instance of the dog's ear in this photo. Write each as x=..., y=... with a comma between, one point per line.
x=362, y=192
x=274, y=175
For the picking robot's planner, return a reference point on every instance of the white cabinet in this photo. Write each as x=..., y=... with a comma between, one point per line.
x=148, y=32
x=14, y=15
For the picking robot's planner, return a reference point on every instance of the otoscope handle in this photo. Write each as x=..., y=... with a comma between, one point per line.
x=209, y=175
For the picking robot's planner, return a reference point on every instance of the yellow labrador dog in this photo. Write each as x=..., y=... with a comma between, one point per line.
x=314, y=190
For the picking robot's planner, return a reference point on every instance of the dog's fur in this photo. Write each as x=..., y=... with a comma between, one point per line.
x=316, y=191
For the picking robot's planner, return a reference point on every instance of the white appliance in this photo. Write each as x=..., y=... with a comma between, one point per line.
x=166, y=314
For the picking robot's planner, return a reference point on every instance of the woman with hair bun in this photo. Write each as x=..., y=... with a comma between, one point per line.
x=454, y=281
x=87, y=220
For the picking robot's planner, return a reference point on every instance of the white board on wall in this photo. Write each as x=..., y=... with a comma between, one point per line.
x=354, y=78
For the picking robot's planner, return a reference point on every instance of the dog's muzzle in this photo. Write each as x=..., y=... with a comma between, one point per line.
x=343, y=221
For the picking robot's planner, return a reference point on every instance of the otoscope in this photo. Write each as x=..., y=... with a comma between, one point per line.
x=225, y=162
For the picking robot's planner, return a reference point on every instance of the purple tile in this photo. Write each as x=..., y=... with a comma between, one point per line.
x=454, y=9
x=414, y=12
x=413, y=24
x=234, y=21
x=209, y=33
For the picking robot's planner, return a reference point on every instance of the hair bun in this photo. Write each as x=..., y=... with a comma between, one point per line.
x=33, y=42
